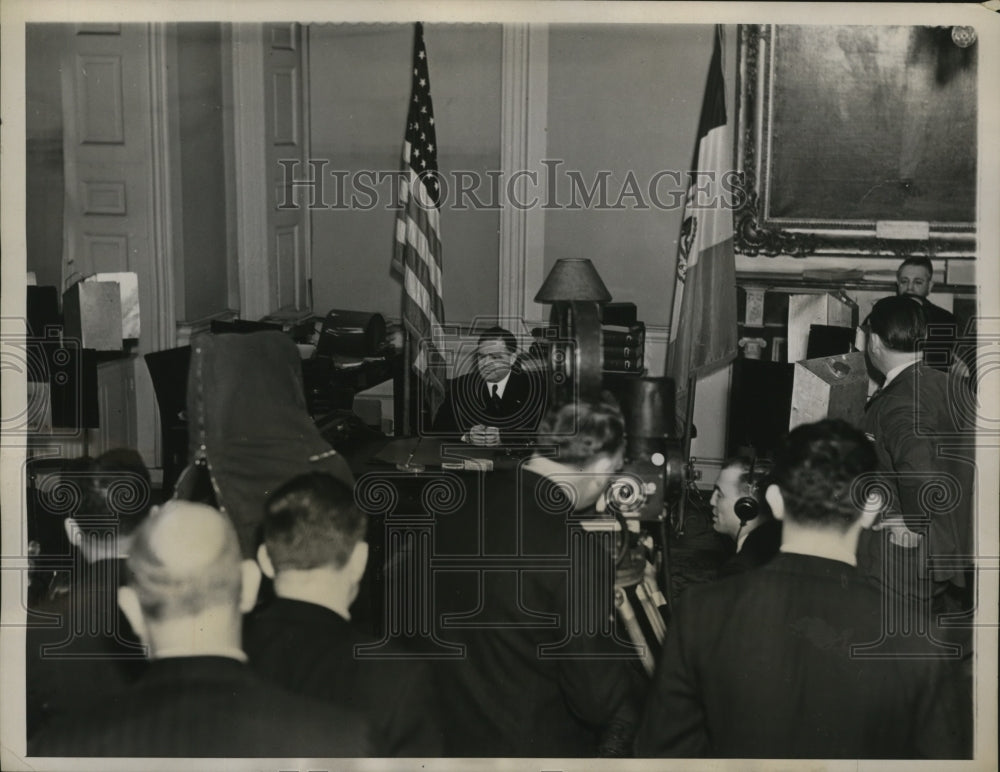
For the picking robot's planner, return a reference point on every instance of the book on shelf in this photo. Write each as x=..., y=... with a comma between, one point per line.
x=621, y=365
x=624, y=313
x=634, y=336
x=623, y=352
x=619, y=334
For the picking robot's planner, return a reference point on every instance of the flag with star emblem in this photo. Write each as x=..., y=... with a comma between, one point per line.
x=703, y=324
x=417, y=256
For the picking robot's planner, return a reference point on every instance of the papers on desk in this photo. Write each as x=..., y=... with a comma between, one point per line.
x=468, y=464
x=413, y=450
x=447, y=454
x=346, y=363
x=341, y=362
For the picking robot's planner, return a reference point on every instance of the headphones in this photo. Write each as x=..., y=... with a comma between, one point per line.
x=747, y=507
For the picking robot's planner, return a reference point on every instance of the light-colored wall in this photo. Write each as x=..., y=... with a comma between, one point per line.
x=629, y=98
x=44, y=161
x=202, y=200
x=360, y=84
x=625, y=98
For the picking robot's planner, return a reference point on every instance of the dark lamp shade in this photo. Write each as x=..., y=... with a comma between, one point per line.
x=573, y=278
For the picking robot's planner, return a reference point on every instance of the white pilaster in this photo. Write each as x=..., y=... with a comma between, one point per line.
x=250, y=164
x=524, y=113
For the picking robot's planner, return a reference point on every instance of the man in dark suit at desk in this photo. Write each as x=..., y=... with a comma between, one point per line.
x=498, y=401
x=303, y=639
x=186, y=589
x=786, y=661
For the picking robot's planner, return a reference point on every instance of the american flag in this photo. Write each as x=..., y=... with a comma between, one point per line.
x=417, y=256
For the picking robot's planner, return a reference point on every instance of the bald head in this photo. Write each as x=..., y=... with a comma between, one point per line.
x=185, y=558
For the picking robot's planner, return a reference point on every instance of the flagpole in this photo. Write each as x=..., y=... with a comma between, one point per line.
x=406, y=383
x=686, y=449
x=689, y=413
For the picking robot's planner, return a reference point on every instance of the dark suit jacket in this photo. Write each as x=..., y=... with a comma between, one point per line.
x=80, y=649
x=310, y=650
x=927, y=459
x=761, y=666
x=759, y=547
x=942, y=336
x=210, y=707
x=523, y=574
x=467, y=403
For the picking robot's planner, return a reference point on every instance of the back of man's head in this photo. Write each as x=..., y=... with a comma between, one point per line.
x=582, y=430
x=900, y=323
x=816, y=467
x=311, y=521
x=184, y=560
x=117, y=487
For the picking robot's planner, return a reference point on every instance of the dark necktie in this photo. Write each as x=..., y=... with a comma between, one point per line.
x=494, y=399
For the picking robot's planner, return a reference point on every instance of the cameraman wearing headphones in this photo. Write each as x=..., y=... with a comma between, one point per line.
x=739, y=513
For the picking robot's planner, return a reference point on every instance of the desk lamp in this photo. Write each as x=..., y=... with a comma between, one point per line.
x=575, y=290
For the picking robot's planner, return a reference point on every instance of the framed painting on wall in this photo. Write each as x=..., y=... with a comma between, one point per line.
x=856, y=141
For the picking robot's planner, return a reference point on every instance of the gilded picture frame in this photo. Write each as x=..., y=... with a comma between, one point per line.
x=856, y=141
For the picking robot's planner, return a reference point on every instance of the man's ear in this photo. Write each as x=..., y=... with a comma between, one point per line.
x=264, y=560
x=73, y=532
x=250, y=585
x=128, y=602
x=355, y=566
x=775, y=501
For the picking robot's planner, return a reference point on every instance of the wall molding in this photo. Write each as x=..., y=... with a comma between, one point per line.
x=524, y=117
x=306, y=118
x=654, y=357
x=229, y=160
x=250, y=166
x=161, y=201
